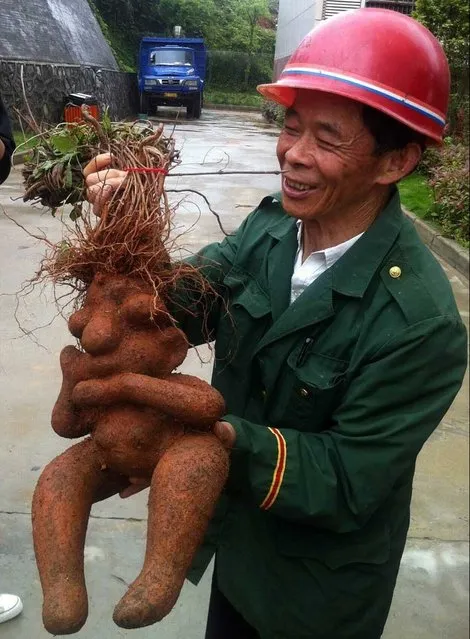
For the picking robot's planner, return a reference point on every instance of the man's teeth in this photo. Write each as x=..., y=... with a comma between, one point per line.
x=298, y=185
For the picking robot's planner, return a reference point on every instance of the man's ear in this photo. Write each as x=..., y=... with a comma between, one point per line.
x=395, y=165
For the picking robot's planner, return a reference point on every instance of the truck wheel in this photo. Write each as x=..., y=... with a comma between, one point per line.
x=144, y=103
x=197, y=106
x=193, y=110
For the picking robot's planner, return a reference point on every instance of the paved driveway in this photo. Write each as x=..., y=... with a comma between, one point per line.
x=432, y=594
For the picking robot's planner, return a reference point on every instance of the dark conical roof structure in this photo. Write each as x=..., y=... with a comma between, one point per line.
x=57, y=31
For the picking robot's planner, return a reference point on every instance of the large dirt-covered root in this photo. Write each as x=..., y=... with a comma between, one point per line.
x=145, y=421
x=67, y=488
x=185, y=487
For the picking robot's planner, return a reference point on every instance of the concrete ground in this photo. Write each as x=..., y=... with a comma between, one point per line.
x=431, y=600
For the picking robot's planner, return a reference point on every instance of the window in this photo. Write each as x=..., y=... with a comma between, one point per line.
x=402, y=6
x=171, y=57
x=332, y=7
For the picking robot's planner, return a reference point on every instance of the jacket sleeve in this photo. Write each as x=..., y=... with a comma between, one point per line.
x=338, y=478
x=6, y=136
x=198, y=314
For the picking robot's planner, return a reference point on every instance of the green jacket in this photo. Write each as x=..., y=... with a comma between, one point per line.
x=332, y=398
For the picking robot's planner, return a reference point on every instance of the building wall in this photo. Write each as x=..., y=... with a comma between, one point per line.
x=57, y=31
x=298, y=17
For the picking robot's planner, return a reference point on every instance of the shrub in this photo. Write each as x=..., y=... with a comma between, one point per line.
x=459, y=116
x=450, y=185
x=233, y=98
x=273, y=113
x=227, y=70
x=430, y=160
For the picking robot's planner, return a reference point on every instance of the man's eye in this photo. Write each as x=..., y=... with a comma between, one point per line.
x=289, y=129
x=325, y=143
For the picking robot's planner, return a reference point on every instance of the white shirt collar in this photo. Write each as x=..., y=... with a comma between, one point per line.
x=330, y=255
x=305, y=273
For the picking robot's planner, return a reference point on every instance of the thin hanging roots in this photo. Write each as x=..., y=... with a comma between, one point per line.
x=133, y=235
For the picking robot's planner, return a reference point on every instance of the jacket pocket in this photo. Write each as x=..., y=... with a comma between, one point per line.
x=247, y=294
x=317, y=384
x=247, y=316
x=335, y=550
x=351, y=574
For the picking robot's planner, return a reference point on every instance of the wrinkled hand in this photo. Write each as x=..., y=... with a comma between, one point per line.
x=226, y=433
x=102, y=181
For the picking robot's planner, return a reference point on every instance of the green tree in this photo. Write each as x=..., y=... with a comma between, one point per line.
x=196, y=17
x=253, y=11
x=224, y=24
x=116, y=12
x=449, y=21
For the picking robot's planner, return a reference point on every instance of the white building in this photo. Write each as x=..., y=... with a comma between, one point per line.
x=298, y=17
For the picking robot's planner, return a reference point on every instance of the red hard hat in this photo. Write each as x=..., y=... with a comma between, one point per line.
x=378, y=57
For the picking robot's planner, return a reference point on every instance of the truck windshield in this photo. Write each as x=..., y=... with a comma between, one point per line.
x=173, y=57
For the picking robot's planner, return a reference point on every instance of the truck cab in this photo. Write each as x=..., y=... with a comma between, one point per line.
x=172, y=73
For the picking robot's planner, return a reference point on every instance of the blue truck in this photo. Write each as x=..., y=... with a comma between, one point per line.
x=171, y=73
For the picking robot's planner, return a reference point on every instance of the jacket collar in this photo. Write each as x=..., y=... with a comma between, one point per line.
x=352, y=273
x=284, y=226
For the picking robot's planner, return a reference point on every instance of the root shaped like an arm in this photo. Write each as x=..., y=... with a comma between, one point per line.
x=184, y=397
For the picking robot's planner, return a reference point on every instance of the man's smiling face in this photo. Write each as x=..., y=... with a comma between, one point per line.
x=328, y=154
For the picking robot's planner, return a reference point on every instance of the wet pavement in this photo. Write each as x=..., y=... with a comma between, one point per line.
x=431, y=600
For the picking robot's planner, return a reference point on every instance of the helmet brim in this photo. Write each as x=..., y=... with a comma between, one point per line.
x=285, y=94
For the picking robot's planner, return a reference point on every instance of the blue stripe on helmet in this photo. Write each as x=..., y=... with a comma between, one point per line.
x=376, y=90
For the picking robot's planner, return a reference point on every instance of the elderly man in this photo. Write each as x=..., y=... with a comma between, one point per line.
x=10, y=605
x=344, y=347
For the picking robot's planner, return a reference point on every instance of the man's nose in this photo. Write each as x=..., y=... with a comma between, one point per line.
x=301, y=152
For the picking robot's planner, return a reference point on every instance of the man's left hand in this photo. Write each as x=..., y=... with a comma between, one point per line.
x=226, y=433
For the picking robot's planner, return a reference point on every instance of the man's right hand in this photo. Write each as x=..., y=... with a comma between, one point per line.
x=102, y=181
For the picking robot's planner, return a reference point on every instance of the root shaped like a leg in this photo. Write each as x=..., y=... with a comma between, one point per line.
x=185, y=487
x=62, y=502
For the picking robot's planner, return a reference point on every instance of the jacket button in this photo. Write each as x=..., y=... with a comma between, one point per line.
x=395, y=272
x=304, y=392
x=264, y=394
